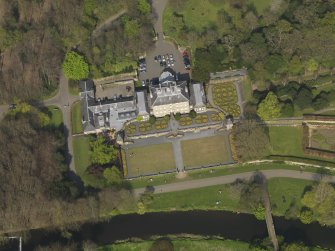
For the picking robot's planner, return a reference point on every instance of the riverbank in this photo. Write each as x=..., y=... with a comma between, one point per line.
x=181, y=243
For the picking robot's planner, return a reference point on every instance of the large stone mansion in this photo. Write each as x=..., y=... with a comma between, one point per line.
x=111, y=102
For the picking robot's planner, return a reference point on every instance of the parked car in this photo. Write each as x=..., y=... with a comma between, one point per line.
x=159, y=57
x=161, y=63
x=12, y=106
x=171, y=56
x=156, y=59
x=187, y=63
x=143, y=83
x=147, y=81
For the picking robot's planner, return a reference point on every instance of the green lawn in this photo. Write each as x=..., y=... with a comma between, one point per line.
x=210, y=150
x=56, y=115
x=76, y=119
x=201, y=198
x=183, y=245
x=285, y=193
x=82, y=160
x=286, y=140
x=150, y=159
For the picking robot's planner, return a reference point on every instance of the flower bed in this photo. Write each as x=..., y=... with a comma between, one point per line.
x=225, y=96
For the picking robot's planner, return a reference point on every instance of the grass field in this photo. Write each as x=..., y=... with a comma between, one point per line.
x=201, y=198
x=77, y=126
x=210, y=150
x=285, y=193
x=183, y=245
x=82, y=160
x=56, y=115
x=150, y=159
x=286, y=140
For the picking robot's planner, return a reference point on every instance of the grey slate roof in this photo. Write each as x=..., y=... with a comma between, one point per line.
x=105, y=113
x=197, y=94
x=142, y=103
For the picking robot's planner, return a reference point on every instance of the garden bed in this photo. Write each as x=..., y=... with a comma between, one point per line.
x=225, y=97
x=201, y=119
x=185, y=121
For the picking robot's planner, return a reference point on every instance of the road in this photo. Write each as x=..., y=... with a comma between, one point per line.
x=64, y=101
x=227, y=179
x=161, y=47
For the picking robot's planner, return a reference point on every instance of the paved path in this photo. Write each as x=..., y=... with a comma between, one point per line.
x=108, y=22
x=226, y=179
x=178, y=156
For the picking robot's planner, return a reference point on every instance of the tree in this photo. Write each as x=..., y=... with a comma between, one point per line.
x=152, y=119
x=250, y=140
x=192, y=114
x=321, y=199
x=306, y=216
x=320, y=101
x=177, y=116
x=113, y=175
x=304, y=97
x=259, y=212
x=287, y=110
x=144, y=7
x=102, y=152
x=312, y=65
x=269, y=107
x=295, y=66
x=74, y=66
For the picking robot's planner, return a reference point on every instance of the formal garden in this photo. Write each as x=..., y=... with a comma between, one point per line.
x=225, y=97
x=147, y=126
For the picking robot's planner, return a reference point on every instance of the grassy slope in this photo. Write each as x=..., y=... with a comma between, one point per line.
x=77, y=126
x=286, y=140
x=183, y=244
x=200, y=198
x=285, y=192
x=56, y=115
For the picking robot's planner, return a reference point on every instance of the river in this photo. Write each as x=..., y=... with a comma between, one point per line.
x=243, y=227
